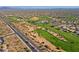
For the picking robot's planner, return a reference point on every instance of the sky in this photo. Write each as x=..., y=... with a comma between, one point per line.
x=40, y=7
x=47, y=7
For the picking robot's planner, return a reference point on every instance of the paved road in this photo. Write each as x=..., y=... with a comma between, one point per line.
x=26, y=40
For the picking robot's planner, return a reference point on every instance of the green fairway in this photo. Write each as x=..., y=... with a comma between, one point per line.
x=72, y=45
x=14, y=19
x=44, y=17
x=68, y=35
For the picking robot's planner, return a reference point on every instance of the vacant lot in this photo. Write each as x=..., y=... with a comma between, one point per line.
x=12, y=42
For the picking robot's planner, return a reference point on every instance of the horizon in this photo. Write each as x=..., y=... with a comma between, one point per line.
x=41, y=7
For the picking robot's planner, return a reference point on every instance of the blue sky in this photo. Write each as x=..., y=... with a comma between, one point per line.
x=41, y=7
x=45, y=6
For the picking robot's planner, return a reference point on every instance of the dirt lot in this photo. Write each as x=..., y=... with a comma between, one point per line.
x=4, y=29
x=12, y=42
